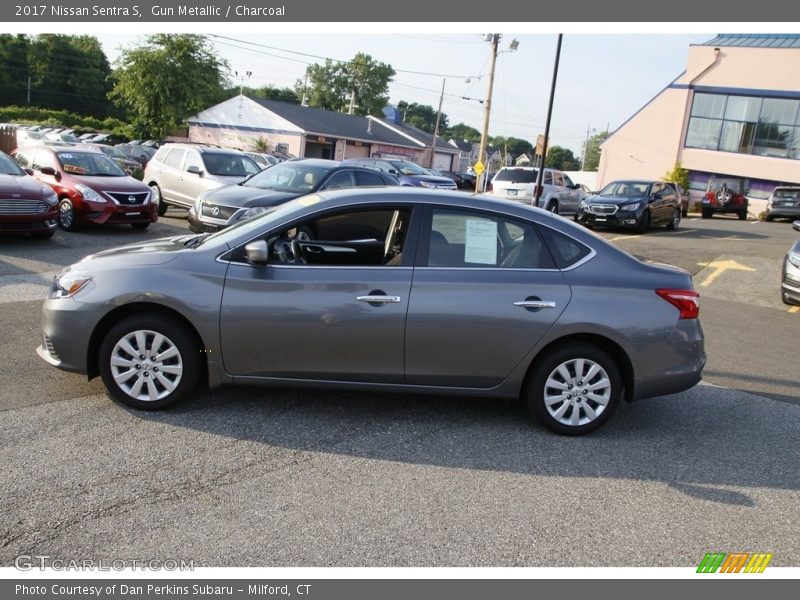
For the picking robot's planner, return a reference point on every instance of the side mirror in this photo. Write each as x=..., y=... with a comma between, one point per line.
x=48, y=171
x=796, y=225
x=257, y=252
x=393, y=172
x=28, y=171
x=194, y=169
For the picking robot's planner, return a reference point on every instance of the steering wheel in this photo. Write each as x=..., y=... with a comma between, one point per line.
x=282, y=249
x=298, y=257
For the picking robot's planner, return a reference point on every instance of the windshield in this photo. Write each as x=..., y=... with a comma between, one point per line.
x=408, y=168
x=92, y=164
x=517, y=175
x=788, y=193
x=296, y=177
x=733, y=184
x=8, y=166
x=265, y=220
x=112, y=152
x=625, y=188
x=229, y=165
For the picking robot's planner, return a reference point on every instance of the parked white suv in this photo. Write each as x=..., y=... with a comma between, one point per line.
x=179, y=173
x=559, y=194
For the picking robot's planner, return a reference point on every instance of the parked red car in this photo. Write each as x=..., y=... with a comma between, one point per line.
x=91, y=187
x=26, y=205
x=725, y=195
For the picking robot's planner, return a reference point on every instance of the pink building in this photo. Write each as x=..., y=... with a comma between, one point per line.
x=734, y=111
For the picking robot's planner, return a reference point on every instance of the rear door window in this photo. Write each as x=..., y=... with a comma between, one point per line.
x=174, y=158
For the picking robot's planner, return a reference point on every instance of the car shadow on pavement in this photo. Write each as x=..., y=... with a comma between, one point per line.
x=696, y=442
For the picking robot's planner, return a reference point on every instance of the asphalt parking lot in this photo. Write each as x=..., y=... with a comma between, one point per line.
x=246, y=477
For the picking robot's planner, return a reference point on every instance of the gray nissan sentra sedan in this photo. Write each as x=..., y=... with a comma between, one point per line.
x=397, y=290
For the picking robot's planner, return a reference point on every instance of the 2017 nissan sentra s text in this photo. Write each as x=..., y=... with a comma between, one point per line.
x=399, y=289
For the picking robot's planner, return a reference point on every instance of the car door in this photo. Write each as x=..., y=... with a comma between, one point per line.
x=339, y=317
x=168, y=175
x=660, y=203
x=191, y=184
x=485, y=291
x=571, y=194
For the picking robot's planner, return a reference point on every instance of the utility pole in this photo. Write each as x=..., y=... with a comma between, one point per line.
x=487, y=108
x=29, y=89
x=540, y=175
x=352, y=102
x=436, y=126
x=304, y=101
x=242, y=79
x=585, y=147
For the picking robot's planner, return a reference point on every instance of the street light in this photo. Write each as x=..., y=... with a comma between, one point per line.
x=494, y=38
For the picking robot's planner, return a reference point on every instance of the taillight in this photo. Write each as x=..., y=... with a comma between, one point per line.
x=686, y=301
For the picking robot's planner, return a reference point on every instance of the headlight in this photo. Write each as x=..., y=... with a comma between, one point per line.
x=794, y=258
x=584, y=204
x=629, y=207
x=250, y=212
x=89, y=194
x=68, y=284
x=49, y=195
x=427, y=184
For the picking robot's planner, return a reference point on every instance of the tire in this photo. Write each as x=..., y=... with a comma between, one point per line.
x=706, y=213
x=168, y=380
x=553, y=207
x=141, y=225
x=43, y=235
x=742, y=215
x=162, y=206
x=675, y=221
x=67, y=219
x=572, y=415
x=644, y=224
x=769, y=218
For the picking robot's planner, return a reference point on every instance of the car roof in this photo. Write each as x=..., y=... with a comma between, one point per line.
x=201, y=147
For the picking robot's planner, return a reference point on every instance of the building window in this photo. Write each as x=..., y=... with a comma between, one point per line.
x=745, y=125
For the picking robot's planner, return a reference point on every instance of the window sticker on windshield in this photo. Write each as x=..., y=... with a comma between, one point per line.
x=75, y=169
x=66, y=156
x=310, y=200
x=481, y=243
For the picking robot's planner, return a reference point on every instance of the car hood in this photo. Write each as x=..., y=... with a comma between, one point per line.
x=614, y=199
x=151, y=252
x=244, y=196
x=14, y=187
x=112, y=184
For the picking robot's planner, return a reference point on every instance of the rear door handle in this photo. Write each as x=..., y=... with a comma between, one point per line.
x=379, y=299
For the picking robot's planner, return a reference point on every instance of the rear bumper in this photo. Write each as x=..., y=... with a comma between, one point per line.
x=780, y=211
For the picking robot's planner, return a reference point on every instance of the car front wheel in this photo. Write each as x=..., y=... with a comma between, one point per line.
x=66, y=216
x=149, y=362
x=158, y=200
x=575, y=389
x=675, y=221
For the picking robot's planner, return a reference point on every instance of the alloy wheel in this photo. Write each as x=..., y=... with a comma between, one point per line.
x=577, y=392
x=146, y=365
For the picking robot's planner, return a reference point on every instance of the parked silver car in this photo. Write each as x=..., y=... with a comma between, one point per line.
x=179, y=173
x=402, y=289
x=784, y=202
x=790, y=273
x=559, y=194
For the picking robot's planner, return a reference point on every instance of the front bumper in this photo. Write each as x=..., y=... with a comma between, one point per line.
x=102, y=213
x=29, y=223
x=67, y=327
x=790, y=283
x=618, y=219
x=196, y=225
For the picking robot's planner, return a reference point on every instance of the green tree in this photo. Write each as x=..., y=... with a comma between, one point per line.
x=461, y=131
x=679, y=175
x=69, y=72
x=561, y=159
x=268, y=91
x=14, y=72
x=167, y=79
x=330, y=85
x=592, y=159
x=422, y=116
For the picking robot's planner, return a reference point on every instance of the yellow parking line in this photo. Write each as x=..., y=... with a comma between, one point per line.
x=794, y=309
x=625, y=237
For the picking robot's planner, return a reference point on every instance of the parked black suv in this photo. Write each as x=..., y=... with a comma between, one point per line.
x=220, y=207
x=634, y=204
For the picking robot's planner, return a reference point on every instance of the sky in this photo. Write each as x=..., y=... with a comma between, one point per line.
x=603, y=79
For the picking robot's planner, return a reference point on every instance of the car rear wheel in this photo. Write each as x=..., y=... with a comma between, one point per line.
x=574, y=389
x=553, y=207
x=675, y=221
x=66, y=216
x=743, y=215
x=155, y=192
x=769, y=218
x=706, y=213
x=149, y=362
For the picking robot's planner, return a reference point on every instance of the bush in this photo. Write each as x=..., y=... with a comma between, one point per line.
x=43, y=116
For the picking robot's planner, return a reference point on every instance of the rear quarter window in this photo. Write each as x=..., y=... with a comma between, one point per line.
x=566, y=251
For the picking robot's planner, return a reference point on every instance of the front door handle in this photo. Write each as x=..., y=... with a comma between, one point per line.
x=535, y=304
x=379, y=299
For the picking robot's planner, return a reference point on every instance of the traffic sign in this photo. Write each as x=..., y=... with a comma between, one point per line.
x=478, y=167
